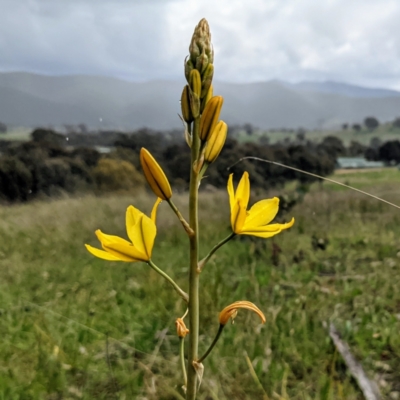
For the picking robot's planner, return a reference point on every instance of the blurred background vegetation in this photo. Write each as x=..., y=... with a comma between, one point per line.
x=46, y=163
x=76, y=327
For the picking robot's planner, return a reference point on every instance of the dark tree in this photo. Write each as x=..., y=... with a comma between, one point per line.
x=371, y=123
x=356, y=127
x=375, y=143
x=356, y=149
x=249, y=129
x=345, y=126
x=333, y=146
x=390, y=151
x=47, y=136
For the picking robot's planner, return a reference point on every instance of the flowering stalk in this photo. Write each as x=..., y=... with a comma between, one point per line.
x=184, y=223
x=193, y=271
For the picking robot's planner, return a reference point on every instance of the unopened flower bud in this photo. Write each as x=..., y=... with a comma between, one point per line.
x=185, y=105
x=216, y=142
x=181, y=329
x=202, y=62
x=210, y=117
x=206, y=80
x=201, y=43
x=195, y=82
x=230, y=311
x=188, y=68
x=155, y=176
x=207, y=98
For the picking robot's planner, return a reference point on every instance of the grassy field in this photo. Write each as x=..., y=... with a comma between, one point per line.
x=76, y=327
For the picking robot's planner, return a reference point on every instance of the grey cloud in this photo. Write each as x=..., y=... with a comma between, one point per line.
x=356, y=41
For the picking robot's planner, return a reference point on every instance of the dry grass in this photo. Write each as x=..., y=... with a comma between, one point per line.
x=75, y=327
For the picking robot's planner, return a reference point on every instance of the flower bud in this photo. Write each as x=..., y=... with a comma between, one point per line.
x=207, y=98
x=155, y=175
x=185, y=105
x=195, y=82
x=216, y=142
x=201, y=42
x=188, y=68
x=210, y=117
x=181, y=329
x=202, y=62
x=207, y=77
x=230, y=311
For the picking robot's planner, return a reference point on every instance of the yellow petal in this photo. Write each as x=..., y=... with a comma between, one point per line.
x=102, y=254
x=241, y=217
x=243, y=190
x=267, y=231
x=261, y=233
x=105, y=240
x=135, y=231
x=126, y=252
x=231, y=192
x=282, y=226
x=235, y=212
x=148, y=232
x=154, y=210
x=231, y=311
x=262, y=213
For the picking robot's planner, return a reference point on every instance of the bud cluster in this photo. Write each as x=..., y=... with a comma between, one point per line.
x=198, y=100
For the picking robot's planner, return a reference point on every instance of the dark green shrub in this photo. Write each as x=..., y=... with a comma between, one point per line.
x=15, y=179
x=111, y=175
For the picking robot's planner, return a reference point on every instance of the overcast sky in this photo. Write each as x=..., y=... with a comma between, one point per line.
x=355, y=41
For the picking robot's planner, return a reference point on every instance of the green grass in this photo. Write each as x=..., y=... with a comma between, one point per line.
x=76, y=327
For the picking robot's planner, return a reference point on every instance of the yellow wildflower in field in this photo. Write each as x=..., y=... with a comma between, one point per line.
x=141, y=231
x=255, y=221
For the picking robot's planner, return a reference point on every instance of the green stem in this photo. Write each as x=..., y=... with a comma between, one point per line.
x=181, y=293
x=182, y=358
x=193, y=271
x=220, y=329
x=184, y=223
x=203, y=262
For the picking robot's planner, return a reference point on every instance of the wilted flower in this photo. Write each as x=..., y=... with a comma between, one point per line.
x=231, y=311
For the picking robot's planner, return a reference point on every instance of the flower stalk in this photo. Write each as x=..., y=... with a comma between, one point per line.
x=214, y=342
x=204, y=261
x=181, y=293
x=193, y=271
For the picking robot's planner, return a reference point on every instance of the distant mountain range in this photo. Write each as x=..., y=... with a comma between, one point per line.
x=100, y=102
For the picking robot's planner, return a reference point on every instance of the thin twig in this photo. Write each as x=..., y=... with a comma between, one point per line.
x=369, y=388
x=315, y=176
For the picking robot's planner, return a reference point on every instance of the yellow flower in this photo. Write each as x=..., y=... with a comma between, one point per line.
x=154, y=175
x=231, y=311
x=255, y=221
x=141, y=231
